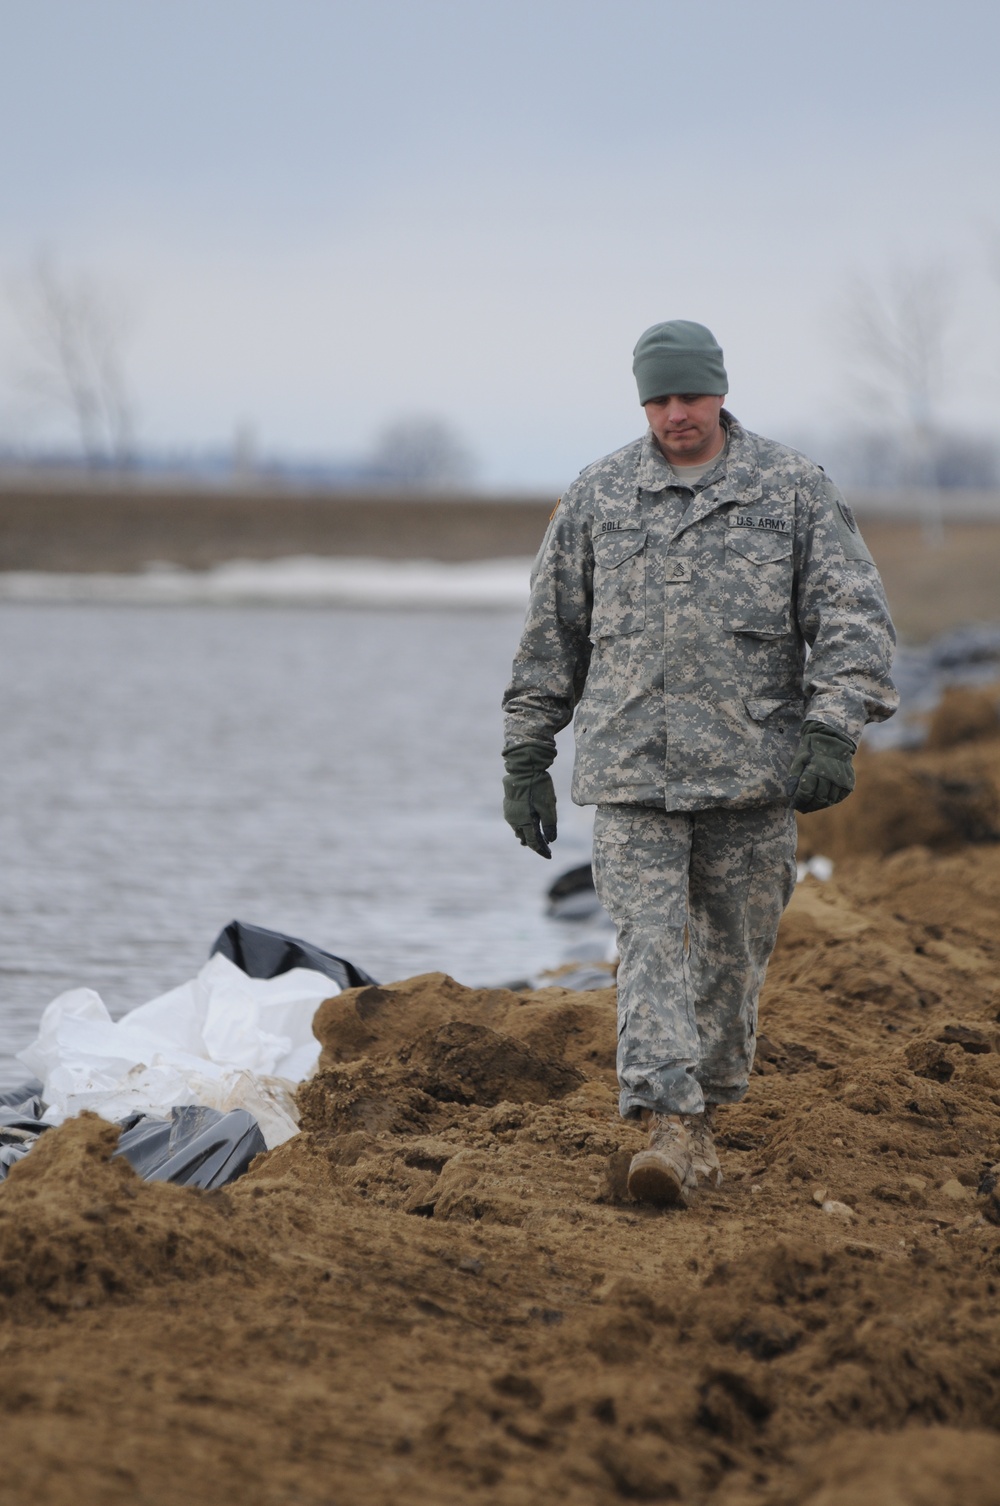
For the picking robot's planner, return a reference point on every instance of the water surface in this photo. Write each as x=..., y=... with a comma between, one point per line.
x=331, y=773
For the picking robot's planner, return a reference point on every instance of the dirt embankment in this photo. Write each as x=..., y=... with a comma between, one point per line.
x=125, y=529
x=439, y=1292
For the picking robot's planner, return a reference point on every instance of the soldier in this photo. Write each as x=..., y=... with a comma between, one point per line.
x=705, y=605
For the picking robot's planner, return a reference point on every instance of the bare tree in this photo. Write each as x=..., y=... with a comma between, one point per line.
x=74, y=329
x=896, y=332
x=422, y=453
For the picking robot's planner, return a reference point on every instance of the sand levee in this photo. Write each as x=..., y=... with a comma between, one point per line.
x=943, y=796
x=78, y=1229
x=440, y=1292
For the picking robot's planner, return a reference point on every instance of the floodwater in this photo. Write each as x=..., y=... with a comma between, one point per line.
x=331, y=773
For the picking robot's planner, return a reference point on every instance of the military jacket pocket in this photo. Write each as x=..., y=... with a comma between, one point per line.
x=758, y=582
x=760, y=708
x=619, y=583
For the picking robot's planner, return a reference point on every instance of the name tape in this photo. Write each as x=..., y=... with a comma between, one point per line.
x=758, y=520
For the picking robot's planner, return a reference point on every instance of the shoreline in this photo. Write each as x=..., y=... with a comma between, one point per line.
x=148, y=535
x=304, y=581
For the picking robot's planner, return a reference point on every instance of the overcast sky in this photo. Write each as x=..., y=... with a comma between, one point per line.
x=324, y=214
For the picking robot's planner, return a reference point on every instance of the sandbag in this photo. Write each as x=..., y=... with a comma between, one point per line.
x=222, y=1039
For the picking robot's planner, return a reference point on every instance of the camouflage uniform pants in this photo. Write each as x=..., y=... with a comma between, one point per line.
x=696, y=897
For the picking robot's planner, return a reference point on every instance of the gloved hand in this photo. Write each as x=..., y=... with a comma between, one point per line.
x=529, y=804
x=822, y=773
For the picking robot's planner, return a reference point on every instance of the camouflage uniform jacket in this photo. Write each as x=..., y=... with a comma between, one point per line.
x=693, y=634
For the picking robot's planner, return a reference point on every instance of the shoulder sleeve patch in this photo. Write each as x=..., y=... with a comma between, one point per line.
x=848, y=532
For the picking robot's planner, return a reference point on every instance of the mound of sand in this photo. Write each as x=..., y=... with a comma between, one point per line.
x=80, y=1229
x=440, y=1292
x=943, y=796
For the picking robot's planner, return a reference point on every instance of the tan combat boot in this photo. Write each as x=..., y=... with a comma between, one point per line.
x=704, y=1158
x=662, y=1172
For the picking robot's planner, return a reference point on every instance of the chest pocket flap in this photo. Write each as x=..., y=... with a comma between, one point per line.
x=762, y=546
x=612, y=549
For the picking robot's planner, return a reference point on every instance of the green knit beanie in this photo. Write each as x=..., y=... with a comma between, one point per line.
x=678, y=357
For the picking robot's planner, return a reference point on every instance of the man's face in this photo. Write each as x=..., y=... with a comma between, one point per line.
x=687, y=426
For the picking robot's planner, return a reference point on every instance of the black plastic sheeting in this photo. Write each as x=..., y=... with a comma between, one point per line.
x=265, y=954
x=16, y=1097
x=572, y=895
x=21, y=1123
x=195, y=1147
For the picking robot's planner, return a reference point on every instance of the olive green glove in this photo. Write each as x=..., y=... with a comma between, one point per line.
x=822, y=773
x=529, y=805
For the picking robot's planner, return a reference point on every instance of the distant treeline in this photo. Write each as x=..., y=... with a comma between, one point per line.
x=877, y=461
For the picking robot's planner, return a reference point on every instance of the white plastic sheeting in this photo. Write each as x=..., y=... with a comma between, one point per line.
x=818, y=868
x=222, y=1039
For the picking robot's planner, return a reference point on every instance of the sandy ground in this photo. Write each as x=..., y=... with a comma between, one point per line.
x=440, y=1292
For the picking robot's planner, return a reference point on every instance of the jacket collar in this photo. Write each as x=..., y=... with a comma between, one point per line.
x=655, y=475
x=736, y=478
